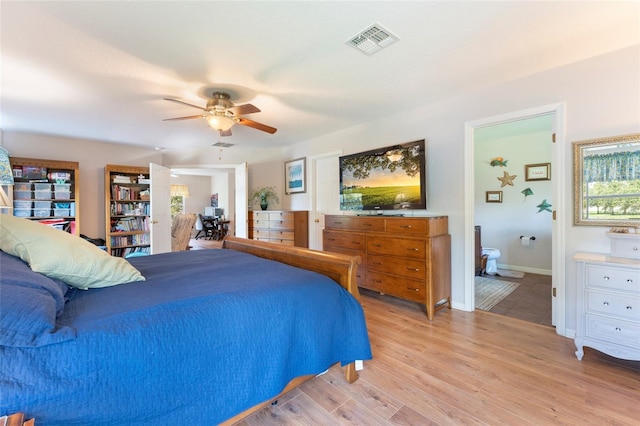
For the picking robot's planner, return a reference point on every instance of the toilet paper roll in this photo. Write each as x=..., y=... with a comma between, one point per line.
x=525, y=241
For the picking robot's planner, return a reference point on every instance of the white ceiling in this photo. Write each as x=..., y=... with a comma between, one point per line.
x=99, y=70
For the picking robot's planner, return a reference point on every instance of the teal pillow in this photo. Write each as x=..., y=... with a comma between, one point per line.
x=60, y=255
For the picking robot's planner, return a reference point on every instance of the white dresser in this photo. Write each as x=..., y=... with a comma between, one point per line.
x=608, y=305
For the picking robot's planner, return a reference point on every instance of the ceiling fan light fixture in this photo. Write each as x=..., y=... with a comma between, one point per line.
x=221, y=123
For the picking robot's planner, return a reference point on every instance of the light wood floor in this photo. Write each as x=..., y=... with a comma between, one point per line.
x=464, y=368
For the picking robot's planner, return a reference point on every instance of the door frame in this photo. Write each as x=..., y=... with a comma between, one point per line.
x=315, y=228
x=558, y=201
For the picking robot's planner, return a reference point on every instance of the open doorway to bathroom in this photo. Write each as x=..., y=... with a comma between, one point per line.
x=512, y=209
x=516, y=199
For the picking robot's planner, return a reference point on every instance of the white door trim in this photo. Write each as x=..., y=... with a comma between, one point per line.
x=315, y=242
x=558, y=239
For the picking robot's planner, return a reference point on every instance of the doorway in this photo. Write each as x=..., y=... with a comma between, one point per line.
x=557, y=202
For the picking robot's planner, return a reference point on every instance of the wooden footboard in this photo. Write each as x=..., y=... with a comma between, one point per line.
x=339, y=267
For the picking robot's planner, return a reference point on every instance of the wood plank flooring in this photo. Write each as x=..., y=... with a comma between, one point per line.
x=464, y=368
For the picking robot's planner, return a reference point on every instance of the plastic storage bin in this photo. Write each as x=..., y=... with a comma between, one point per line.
x=61, y=209
x=62, y=191
x=22, y=195
x=42, y=195
x=18, y=204
x=22, y=186
x=41, y=212
x=42, y=186
x=42, y=205
x=22, y=212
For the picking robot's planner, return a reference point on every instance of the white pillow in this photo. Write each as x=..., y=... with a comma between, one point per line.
x=58, y=254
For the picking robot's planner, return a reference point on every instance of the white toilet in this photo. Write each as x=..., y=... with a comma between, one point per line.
x=492, y=254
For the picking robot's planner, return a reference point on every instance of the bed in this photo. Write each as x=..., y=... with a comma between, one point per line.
x=203, y=337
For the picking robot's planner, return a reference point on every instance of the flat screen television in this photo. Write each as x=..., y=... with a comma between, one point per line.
x=390, y=178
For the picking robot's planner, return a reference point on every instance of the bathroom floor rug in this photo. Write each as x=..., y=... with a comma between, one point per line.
x=489, y=292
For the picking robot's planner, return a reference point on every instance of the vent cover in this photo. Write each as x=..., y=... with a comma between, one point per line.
x=222, y=144
x=372, y=39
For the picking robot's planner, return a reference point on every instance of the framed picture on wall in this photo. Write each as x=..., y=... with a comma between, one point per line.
x=493, y=197
x=540, y=171
x=295, y=176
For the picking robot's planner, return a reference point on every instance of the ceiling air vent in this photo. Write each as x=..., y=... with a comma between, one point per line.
x=372, y=39
x=222, y=144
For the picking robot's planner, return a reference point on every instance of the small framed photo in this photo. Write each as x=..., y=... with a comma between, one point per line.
x=493, y=197
x=295, y=177
x=541, y=171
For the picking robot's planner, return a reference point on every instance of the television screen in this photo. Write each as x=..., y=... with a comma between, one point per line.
x=391, y=178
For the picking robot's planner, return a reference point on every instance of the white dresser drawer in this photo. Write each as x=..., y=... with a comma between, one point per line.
x=614, y=304
x=613, y=330
x=625, y=245
x=625, y=279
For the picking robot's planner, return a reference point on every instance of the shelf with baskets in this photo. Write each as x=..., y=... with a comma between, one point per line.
x=127, y=204
x=47, y=191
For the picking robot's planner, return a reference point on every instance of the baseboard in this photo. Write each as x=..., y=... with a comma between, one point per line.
x=525, y=269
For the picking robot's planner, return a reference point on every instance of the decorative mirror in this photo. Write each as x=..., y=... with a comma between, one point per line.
x=607, y=181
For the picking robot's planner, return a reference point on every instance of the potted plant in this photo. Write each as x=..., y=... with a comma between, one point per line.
x=265, y=194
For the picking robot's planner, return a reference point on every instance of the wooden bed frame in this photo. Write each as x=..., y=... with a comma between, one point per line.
x=339, y=267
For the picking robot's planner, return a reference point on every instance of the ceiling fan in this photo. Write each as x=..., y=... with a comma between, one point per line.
x=222, y=114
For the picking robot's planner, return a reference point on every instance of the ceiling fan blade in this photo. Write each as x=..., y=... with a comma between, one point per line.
x=184, y=103
x=225, y=132
x=256, y=125
x=189, y=117
x=244, y=109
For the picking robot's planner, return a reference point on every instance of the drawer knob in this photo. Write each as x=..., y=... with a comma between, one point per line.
x=406, y=226
x=635, y=249
x=413, y=269
x=605, y=278
x=606, y=303
x=413, y=289
x=629, y=308
x=618, y=329
x=630, y=281
x=377, y=245
x=413, y=249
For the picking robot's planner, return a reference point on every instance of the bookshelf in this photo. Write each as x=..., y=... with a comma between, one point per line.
x=127, y=209
x=47, y=191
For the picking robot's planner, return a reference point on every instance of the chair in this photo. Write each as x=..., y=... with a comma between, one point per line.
x=181, y=231
x=199, y=227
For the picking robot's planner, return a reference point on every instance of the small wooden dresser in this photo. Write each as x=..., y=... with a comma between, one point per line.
x=409, y=258
x=281, y=227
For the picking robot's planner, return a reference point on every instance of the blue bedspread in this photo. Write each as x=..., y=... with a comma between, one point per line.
x=209, y=334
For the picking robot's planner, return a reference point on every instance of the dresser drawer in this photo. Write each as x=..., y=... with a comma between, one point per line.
x=416, y=269
x=284, y=216
x=413, y=248
x=614, y=278
x=281, y=224
x=408, y=226
x=404, y=288
x=345, y=240
x=260, y=223
x=281, y=235
x=256, y=233
x=614, y=304
x=260, y=215
x=613, y=330
x=375, y=224
x=337, y=222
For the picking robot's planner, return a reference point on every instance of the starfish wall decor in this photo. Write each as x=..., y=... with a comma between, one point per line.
x=507, y=179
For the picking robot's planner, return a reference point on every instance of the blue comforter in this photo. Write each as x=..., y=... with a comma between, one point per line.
x=209, y=334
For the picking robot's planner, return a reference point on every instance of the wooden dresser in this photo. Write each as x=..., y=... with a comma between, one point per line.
x=409, y=258
x=280, y=227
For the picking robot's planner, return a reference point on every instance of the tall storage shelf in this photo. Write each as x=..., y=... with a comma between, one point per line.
x=47, y=191
x=127, y=209
x=409, y=258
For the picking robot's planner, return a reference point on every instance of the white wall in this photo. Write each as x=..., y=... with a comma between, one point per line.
x=503, y=223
